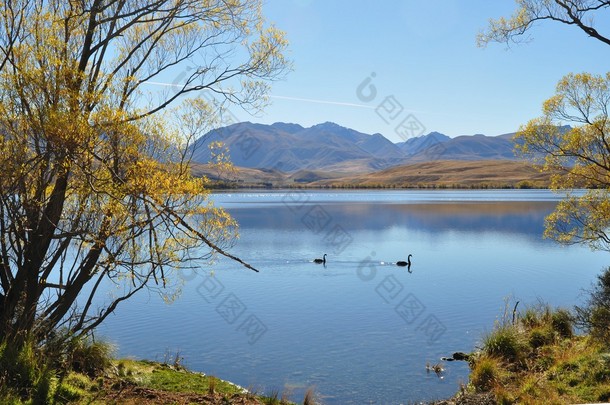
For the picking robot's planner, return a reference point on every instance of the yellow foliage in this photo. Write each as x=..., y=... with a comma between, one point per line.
x=91, y=160
x=577, y=156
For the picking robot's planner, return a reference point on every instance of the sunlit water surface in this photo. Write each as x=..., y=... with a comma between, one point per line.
x=361, y=329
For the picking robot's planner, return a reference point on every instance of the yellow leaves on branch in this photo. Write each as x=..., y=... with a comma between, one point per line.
x=572, y=141
x=270, y=42
x=571, y=138
x=502, y=29
x=584, y=219
x=220, y=160
x=87, y=134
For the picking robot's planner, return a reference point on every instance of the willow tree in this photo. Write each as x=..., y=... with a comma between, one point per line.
x=580, y=14
x=95, y=184
x=572, y=141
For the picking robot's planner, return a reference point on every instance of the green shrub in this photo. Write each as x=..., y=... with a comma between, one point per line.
x=485, y=373
x=89, y=357
x=24, y=372
x=19, y=368
x=79, y=381
x=78, y=353
x=43, y=387
x=544, y=324
x=531, y=318
x=599, y=324
x=541, y=336
x=505, y=342
x=29, y=372
x=66, y=393
x=594, y=315
x=540, y=314
x=562, y=322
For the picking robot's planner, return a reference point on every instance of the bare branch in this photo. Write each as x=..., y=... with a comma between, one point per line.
x=578, y=13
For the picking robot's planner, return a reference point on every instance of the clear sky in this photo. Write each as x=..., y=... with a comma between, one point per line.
x=424, y=58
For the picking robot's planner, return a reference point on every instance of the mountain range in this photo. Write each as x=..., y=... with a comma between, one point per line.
x=290, y=148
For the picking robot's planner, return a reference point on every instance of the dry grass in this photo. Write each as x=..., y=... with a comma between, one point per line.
x=462, y=174
x=437, y=174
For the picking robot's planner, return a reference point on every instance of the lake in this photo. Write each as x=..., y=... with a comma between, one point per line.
x=360, y=330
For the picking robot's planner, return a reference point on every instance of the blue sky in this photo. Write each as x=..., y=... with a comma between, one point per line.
x=425, y=59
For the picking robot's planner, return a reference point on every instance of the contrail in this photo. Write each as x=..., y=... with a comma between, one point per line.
x=307, y=100
x=163, y=84
x=311, y=100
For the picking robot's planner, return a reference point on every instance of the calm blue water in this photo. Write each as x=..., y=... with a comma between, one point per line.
x=359, y=330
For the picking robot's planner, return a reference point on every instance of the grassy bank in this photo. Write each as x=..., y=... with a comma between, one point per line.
x=144, y=382
x=536, y=358
x=137, y=382
x=83, y=372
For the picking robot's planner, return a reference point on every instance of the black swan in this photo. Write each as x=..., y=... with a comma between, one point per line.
x=320, y=261
x=403, y=263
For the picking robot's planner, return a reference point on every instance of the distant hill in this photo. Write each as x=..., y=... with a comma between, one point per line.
x=468, y=147
x=290, y=147
x=329, y=147
x=413, y=146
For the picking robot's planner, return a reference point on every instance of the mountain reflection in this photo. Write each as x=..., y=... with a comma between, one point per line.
x=526, y=218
